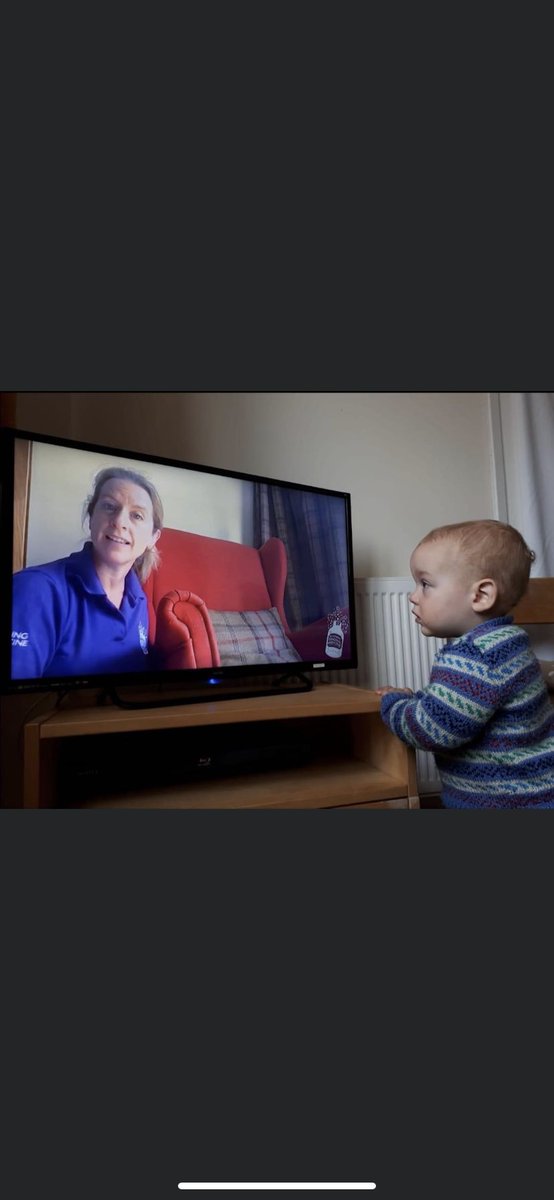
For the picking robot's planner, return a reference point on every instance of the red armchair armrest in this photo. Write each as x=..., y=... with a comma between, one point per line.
x=184, y=632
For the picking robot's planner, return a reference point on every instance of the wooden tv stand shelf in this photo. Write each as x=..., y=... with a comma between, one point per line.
x=327, y=748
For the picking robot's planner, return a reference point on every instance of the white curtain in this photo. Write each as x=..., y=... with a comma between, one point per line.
x=527, y=435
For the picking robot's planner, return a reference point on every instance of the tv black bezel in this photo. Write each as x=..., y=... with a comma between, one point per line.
x=185, y=678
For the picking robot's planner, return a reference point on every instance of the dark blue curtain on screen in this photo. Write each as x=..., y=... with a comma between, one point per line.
x=313, y=529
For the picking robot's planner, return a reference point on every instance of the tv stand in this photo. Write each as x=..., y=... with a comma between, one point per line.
x=325, y=748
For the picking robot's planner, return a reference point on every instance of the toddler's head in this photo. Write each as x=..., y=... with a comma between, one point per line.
x=468, y=573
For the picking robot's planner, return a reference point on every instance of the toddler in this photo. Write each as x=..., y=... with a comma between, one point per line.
x=486, y=713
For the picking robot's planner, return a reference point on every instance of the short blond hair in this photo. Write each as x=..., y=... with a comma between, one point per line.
x=496, y=551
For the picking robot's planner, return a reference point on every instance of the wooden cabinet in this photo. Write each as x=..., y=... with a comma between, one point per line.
x=327, y=748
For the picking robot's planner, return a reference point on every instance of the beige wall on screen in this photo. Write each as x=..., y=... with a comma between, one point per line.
x=61, y=479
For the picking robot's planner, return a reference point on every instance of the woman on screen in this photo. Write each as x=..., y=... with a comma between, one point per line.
x=87, y=614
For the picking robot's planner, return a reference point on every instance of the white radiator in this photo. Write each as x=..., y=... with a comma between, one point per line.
x=392, y=650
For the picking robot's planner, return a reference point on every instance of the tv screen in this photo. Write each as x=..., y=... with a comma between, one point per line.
x=119, y=568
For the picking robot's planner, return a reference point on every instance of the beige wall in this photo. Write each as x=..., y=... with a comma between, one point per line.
x=411, y=460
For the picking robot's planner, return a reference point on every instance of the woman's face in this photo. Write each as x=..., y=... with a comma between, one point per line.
x=122, y=524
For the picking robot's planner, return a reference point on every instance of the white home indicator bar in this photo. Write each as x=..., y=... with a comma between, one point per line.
x=277, y=1187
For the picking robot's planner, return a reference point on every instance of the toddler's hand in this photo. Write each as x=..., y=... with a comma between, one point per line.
x=547, y=669
x=383, y=690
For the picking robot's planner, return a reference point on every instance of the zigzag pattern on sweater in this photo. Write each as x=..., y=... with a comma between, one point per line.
x=487, y=716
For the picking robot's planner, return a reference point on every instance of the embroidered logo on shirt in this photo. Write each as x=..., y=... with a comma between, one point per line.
x=20, y=639
x=143, y=638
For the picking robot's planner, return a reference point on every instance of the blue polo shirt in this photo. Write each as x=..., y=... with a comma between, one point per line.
x=64, y=624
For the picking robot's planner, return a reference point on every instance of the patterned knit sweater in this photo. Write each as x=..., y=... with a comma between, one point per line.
x=488, y=718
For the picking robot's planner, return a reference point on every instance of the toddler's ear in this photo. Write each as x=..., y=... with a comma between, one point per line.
x=484, y=595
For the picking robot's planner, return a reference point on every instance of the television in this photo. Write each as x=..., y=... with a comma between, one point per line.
x=242, y=584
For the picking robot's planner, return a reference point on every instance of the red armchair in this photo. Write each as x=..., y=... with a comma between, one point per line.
x=197, y=573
